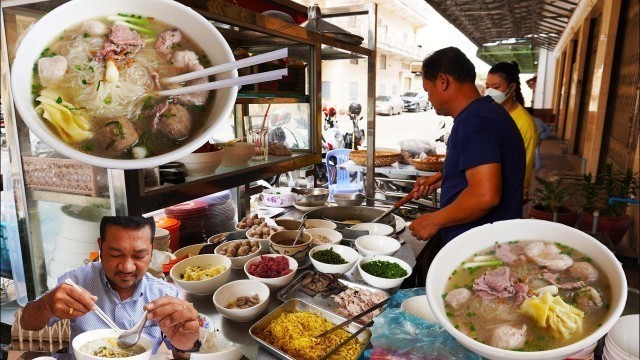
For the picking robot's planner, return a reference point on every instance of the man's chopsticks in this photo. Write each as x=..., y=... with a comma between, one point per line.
x=227, y=83
x=253, y=60
x=358, y=316
x=97, y=310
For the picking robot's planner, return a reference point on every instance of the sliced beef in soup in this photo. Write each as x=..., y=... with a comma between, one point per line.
x=558, y=280
x=122, y=44
x=52, y=70
x=94, y=28
x=155, y=78
x=166, y=40
x=508, y=337
x=500, y=283
x=510, y=253
x=154, y=114
x=175, y=122
x=118, y=136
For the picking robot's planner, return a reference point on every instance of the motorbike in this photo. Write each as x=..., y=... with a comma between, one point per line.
x=354, y=140
x=331, y=136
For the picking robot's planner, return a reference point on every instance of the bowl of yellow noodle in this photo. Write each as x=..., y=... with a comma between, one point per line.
x=100, y=344
x=201, y=274
x=75, y=112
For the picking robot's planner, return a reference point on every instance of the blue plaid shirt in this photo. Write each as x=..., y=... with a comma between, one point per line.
x=124, y=313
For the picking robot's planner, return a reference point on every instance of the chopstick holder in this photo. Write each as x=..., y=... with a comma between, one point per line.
x=358, y=316
x=97, y=310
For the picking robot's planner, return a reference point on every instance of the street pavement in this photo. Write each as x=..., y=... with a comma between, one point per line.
x=391, y=130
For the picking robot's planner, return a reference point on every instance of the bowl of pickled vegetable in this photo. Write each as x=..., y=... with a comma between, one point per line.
x=333, y=258
x=383, y=272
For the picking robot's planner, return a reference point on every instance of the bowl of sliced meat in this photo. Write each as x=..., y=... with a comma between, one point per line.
x=526, y=289
x=98, y=83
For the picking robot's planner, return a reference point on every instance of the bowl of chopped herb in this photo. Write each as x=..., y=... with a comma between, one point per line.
x=333, y=258
x=383, y=272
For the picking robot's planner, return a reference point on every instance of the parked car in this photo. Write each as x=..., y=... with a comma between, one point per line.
x=415, y=101
x=389, y=105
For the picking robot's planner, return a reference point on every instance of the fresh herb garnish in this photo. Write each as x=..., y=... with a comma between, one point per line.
x=99, y=82
x=59, y=100
x=384, y=269
x=85, y=35
x=329, y=256
x=77, y=67
x=84, y=82
x=107, y=100
x=168, y=115
x=118, y=125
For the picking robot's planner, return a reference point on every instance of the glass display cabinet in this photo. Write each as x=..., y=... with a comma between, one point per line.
x=52, y=192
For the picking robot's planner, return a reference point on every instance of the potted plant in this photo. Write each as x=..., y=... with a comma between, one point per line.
x=549, y=202
x=610, y=194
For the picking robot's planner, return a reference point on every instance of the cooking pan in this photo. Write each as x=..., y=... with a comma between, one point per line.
x=338, y=215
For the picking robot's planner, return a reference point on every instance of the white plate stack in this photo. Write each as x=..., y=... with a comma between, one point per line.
x=76, y=240
x=621, y=342
x=222, y=213
x=161, y=240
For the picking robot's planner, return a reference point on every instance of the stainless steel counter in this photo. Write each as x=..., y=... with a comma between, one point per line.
x=239, y=332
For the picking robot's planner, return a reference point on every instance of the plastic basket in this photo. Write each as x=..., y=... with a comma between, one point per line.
x=64, y=175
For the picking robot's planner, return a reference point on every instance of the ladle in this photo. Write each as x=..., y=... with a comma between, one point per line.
x=300, y=230
x=130, y=337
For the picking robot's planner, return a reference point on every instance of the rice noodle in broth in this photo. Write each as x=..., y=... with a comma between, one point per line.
x=109, y=115
x=527, y=296
x=108, y=348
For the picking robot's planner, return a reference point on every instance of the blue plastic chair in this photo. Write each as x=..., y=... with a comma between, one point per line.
x=343, y=182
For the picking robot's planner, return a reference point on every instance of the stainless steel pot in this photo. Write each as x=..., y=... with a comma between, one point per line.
x=311, y=197
x=338, y=215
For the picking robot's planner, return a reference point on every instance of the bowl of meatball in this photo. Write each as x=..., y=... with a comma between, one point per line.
x=239, y=251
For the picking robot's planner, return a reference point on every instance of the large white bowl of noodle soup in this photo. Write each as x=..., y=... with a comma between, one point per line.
x=481, y=238
x=86, y=343
x=73, y=13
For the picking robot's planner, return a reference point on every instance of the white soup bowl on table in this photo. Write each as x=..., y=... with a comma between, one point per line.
x=319, y=224
x=334, y=236
x=377, y=245
x=237, y=262
x=374, y=228
x=94, y=335
x=484, y=237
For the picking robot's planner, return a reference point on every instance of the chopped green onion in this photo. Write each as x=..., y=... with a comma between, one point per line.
x=134, y=27
x=481, y=258
x=133, y=19
x=78, y=67
x=480, y=264
x=168, y=115
x=84, y=82
x=99, y=82
x=59, y=100
x=107, y=100
x=85, y=35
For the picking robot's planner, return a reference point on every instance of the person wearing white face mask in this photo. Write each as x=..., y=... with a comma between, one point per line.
x=503, y=85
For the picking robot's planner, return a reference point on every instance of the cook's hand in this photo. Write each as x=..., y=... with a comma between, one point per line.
x=178, y=320
x=424, y=227
x=420, y=190
x=67, y=302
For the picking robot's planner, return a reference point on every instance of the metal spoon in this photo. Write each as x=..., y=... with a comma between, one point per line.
x=130, y=337
x=300, y=230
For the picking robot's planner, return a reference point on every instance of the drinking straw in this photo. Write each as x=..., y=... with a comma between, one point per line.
x=265, y=118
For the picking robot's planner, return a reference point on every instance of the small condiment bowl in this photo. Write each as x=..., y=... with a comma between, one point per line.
x=192, y=250
x=282, y=243
x=273, y=283
x=353, y=199
x=347, y=253
x=419, y=306
x=333, y=236
x=320, y=224
x=377, y=245
x=379, y=282
x=228, y=293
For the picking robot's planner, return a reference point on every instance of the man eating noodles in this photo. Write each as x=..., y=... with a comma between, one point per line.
x=120, y=286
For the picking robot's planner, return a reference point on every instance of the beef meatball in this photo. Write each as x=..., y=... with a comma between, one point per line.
x=175, y=122
x=118, y=136
x=583, y=271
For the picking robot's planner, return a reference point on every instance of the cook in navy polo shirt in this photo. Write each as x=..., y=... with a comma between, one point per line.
x=484, y=133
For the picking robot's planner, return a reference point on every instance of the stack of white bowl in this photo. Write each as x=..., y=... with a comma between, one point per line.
x=161, y=240
x=621, y=342
x=76, y=239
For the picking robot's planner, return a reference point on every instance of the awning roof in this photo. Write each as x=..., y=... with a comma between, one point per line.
x=491, y=23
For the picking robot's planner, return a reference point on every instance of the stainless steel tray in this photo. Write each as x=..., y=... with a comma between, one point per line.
x=294, y=291
x=292, y=305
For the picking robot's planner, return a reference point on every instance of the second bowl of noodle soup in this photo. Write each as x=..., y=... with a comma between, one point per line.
x=544, y=315
x=104, y=111
x=101, y=344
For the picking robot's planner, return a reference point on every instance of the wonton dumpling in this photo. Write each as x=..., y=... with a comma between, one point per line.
x=552, y=311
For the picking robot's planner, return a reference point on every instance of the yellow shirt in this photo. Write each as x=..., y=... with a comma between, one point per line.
x=529, y=132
